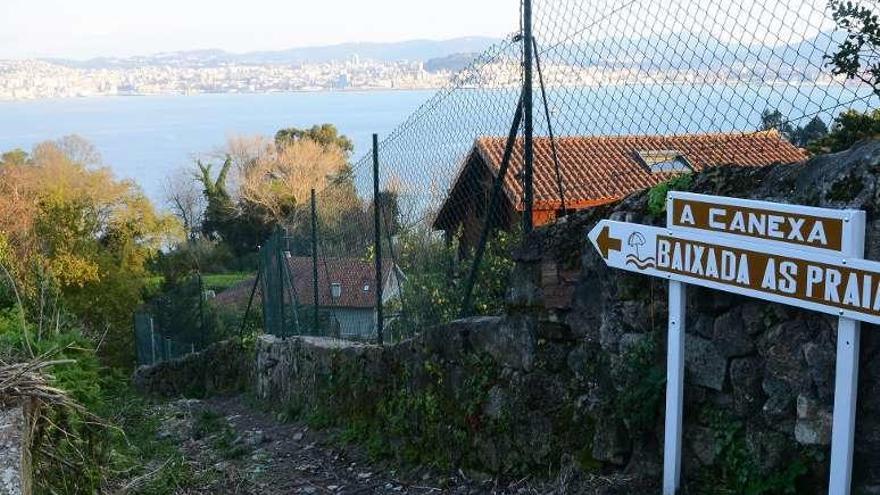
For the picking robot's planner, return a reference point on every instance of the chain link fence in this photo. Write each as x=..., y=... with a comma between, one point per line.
x=624, y=96
x=172, y=325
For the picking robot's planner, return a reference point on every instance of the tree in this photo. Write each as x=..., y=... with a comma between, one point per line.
x=82, y=236
x=186, y=201
x=814, y=130
x=78, y=150
x=799, y=136
x=14, y=157
x=225, y=219
x=848, y=128
x=858, y=56
x=774, y=120
x=219, y=208
x=325, y=134
x=274, y=185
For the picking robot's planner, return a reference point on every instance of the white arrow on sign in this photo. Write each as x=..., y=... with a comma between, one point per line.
x=763, y=269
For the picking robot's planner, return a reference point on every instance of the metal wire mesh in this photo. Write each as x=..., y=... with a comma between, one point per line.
x=173, y=325
x=612, y=77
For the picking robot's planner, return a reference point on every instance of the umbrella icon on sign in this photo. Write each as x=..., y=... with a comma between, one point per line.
x=636, y=239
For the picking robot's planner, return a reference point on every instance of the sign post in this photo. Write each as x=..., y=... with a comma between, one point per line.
x=674, y=388
x=806, y=257
x=846, y=377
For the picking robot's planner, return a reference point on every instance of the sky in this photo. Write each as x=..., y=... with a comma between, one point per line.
x=81, y=29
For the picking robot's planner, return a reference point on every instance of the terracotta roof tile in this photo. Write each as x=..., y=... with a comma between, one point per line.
x=597, y=170
x=237, y=294
x=353, y=275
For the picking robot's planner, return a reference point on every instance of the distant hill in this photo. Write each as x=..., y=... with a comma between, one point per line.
x=689, y=50
x=413, y=50
x=451, y=63
x=667, y=52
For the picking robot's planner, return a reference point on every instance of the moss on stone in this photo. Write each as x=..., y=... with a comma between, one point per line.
x=845, y=189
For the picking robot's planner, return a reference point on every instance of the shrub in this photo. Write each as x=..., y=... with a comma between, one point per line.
x=657, y=194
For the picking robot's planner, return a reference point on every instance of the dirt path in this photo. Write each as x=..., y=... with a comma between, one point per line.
x=235, y=449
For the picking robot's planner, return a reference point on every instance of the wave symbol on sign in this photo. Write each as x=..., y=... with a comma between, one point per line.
x=641, y=264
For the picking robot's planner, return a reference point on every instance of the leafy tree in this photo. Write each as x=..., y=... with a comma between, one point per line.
x=264, y=183
x=858, y=56
x=848, y=128
x=224, y=219
x=14, y=157
x=276, y=183
x=773, y=119
x=799, y=136
x=220, y=208
x=78, y=236
x=325, y=134
x=814, y=130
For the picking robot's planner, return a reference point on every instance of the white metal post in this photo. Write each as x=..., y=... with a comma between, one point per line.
x=846, y=379
x=674, y=388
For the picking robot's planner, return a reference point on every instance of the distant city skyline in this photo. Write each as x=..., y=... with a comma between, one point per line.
x=103, y=28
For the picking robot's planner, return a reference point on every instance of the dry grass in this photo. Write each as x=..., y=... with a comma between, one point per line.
x=27, y=381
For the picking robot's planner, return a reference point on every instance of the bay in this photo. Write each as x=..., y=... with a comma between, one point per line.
x=145, y=138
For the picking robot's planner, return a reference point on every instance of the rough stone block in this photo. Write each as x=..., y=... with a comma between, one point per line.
x=703, y=444
x=731, y=336
x=512, y=343
x=704, y=365
x=745, y=379
x=813, y=425
x=13, y=479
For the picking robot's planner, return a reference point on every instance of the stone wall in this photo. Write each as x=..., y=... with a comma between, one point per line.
x=759, y=376
x=223, y=367
x=575, y=371
x=491, y=394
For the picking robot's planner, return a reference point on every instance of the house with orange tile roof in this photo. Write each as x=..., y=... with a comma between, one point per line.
x=346, y=292
x=594, y=170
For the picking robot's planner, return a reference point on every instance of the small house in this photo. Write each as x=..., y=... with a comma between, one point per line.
x=594, y=170
x=346, y=293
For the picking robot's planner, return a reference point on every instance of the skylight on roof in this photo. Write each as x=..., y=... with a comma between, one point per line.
x=660, y=161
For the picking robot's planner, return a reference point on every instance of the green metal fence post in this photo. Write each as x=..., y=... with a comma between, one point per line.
x=377, y=241
x=317, y=301
x=280, y=260
x=202, y=337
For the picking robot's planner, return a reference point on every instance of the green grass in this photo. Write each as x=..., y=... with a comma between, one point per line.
x=219, y=282
x=138, y=450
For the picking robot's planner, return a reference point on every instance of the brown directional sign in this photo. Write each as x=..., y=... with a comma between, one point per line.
x=806, y=257
x=808, y=279
x=790, y=224
x=606, y=243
